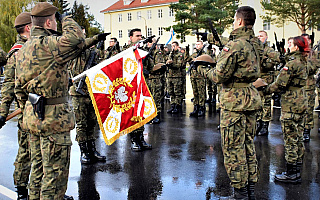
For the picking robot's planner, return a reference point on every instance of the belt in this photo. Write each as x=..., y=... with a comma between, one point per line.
x=236, y=85
x=294, y=88
x=59, y=100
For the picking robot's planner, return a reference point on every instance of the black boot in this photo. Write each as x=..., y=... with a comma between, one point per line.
x=299, y=167
x=135, y=145
x=241, y=193
x=209, y=99
x=176, y=109
x=156, y=120
x=84, y=157
x=94, y=154
x=264, y=129
x=194, y=113
x=259, y=126
x=250, y=188
x=22, y=192
x=201, y=112
x=172, y=108
x=66, y=197
x=143, y=143
x=306, y=135
x=290, y=176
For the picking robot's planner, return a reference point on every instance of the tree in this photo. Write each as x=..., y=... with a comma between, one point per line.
x=63, y=7
x=192, y=15
x=83, y=18
x=9, y=10
x=305, y=13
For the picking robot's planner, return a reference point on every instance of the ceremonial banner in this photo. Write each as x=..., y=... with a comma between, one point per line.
x=119, y=93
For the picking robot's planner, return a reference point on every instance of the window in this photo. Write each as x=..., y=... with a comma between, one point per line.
x=171, y=14
x=120, y=33
x=149, y=31
x=120, y=17
x=139, y=15
x=160, y=13
x=160, y=31
x=129, y=17
x=266, y=25
x=149, y=14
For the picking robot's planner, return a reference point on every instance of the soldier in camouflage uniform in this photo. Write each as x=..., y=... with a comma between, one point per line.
x=42, y=74
x=3, y=57
x=312, y=66
x=22, y=163
x=269, y=60
x=198, y=84
x=212, y=86
x=137, y=139
x=237, y=67
x=156, y=84
x=83, y=109
x=175, y=75
x=291, y=82
x=113, y=48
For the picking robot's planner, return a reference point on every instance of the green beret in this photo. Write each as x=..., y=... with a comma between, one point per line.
x=43, y=9
x=22, y=19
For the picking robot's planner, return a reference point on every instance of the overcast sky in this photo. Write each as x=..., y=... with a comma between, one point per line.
x=95, y=7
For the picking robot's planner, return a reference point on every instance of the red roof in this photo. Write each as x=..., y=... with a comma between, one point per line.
x=119, y=5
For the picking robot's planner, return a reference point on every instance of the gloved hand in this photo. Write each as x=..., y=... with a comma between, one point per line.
x=102, y=36
x=202, y=70
x=2, y=121
x=204, y=36
x=148, y=39
x=60, y=16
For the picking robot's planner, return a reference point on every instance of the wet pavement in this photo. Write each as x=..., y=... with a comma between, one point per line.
x=185, y=163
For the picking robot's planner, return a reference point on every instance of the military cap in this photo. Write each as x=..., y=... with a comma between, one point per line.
x=43, y=9
x=259, y=83
x=205, y=58
x=158, y=66
x=22, y=19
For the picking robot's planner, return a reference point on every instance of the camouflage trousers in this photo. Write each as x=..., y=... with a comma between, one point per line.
x=265, y=113
x=50, y=157
x=22, y=163
x=292, y=128
x=86, y=119
x=199, y=91
x=156, y=89
x=308, y=118
x=175, y=90
x=237, y=134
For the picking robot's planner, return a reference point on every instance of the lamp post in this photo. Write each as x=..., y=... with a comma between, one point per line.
x=145, y=25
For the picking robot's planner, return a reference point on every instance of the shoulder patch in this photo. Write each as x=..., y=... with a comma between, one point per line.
x=285, y=68
x=226, y=49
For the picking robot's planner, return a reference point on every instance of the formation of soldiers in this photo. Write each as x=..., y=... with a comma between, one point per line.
x=39, y=66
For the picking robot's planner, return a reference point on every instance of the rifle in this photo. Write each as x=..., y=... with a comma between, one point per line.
x=193, y=66
x=149, y=55
x=113, y=47
x=316, y=46
x=215, y=34
x=312, y=38
x=280, y=48
x=89, y=64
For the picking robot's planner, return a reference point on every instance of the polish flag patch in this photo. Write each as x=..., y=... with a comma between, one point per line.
x=285, y=68
x=226, y=49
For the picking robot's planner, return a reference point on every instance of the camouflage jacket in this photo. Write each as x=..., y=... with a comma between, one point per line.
x=3, y=56
x=159, y=57
x=7, y=90
x=269, y=60
x=175, y=71
x=42, y=69
x=290, y=81
x=238, y=65
x=194, y=73
x=77, y=66
x=312, y=66
x=109, y=50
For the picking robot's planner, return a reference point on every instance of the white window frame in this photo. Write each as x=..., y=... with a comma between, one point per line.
x=159, y=13
x=129, y=17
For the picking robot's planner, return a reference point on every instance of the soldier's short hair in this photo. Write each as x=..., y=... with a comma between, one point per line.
x=134, y=30
x=305, y=35
x=247, y=14
x=302, y=43
x=175, y=42
x=114, y=39
x=40, y=21
x=200, y=41
x=262, y=31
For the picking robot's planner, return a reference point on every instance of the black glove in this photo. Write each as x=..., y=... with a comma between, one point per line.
x=60, y=16
x=204, y=36
x=2, y=121
x=148, y=39
x=102, y=36
x=282, y=59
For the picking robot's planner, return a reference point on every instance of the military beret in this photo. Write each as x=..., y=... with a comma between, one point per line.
x=43, y=9
x=22, y=19
x=205, y=58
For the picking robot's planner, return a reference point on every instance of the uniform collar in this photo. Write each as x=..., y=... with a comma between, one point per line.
x=40, y=31
x=241, y=32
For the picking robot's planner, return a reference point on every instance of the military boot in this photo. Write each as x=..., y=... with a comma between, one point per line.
x=289, y=176
x=194, y=113
x=84, y=157
x=241, y=193
x=202, y=111
x=22, y=192
x=264, y=129
x=176, y=109
x=306, y=135
x=250, y=188
x=135, y=143
x=94, y=154
x=66, y=197
x=259, y=126
x=143, y=143
x=172, y=108
x=299, y=167
x=209, y=98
